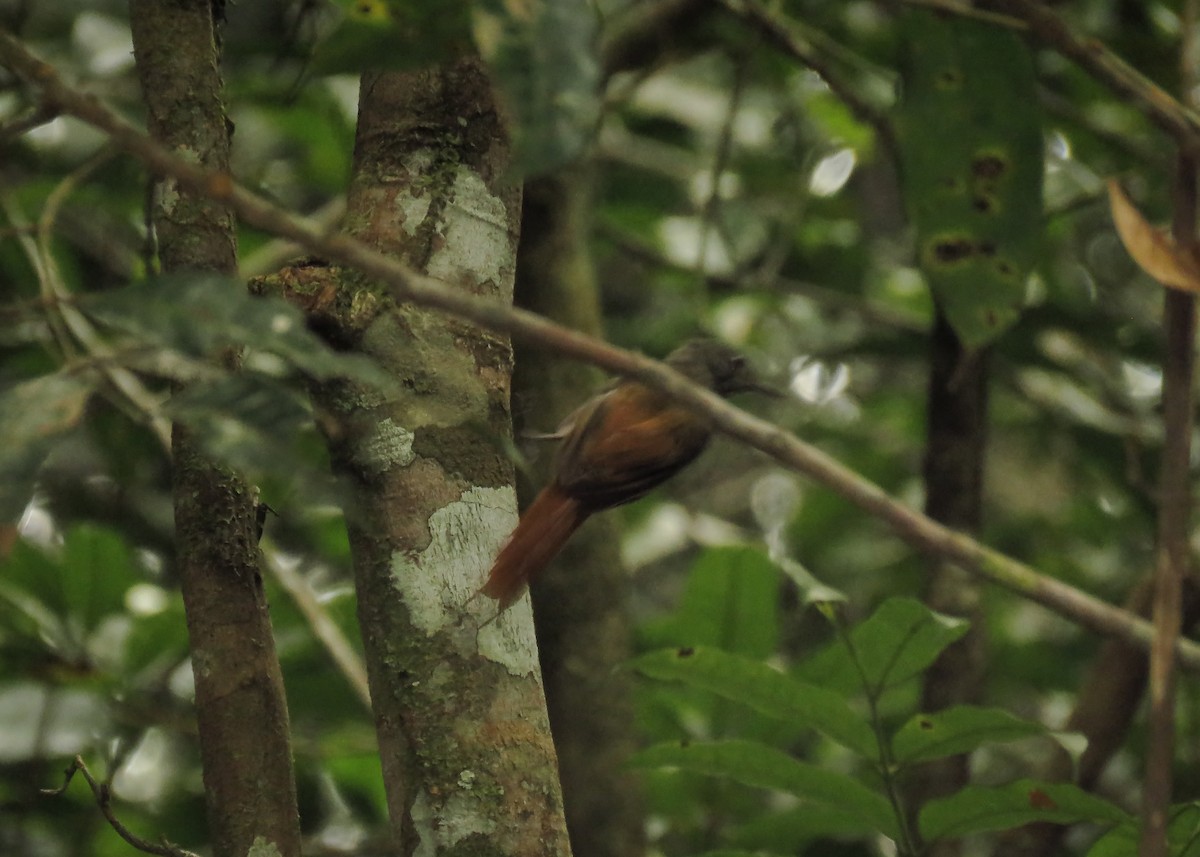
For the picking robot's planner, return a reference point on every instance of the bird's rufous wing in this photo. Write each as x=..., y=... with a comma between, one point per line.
x=626, y=443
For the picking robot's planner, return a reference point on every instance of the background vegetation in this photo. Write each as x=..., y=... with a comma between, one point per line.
x=775, y=177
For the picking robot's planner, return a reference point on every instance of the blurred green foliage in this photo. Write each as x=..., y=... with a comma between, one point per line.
x=733, y=191
x=858, y=794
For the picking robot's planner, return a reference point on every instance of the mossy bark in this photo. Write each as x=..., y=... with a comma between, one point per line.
x=241, y=710
x=468, y=762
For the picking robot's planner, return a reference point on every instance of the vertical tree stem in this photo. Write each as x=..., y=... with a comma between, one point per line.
x=241, y=711
x=1179, y=323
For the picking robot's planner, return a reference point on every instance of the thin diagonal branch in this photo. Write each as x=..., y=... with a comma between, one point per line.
x=1044, y=25
x=785, y=37
x=407, y=285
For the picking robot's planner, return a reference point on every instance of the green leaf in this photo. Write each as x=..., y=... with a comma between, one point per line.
x=789, y=831
x=156, y=641
x=33, y=414
x=970, y=140
x=897, y=642
x=85, y=581
x=198, y=315
x=542, y=54
x=1183, y=835
x=731, y=602
x=958, y=730
x=253, y=424
x=765, y=767
x=97, y=571
x=764, y=689
x=976, y=809
x=1121, y=841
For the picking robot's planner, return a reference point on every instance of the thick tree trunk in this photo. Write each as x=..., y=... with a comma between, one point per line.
x=240, y=706
x=463, y=732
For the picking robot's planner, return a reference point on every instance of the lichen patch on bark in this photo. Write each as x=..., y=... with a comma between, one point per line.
x=510, y=641
x=387, y=445
x=476, y=248
x=464, y=538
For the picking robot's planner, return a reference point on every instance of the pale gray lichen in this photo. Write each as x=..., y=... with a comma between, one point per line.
x=477, y=246
x=465, y=536
x=388, y=446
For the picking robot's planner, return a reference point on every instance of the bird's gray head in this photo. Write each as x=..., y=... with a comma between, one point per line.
x=717, y=366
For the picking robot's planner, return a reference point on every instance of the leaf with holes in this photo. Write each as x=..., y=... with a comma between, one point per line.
x=970, y=141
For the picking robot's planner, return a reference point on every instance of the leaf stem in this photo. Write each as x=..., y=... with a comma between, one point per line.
x=886, y=765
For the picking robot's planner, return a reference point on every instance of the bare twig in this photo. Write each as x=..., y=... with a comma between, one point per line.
x=272, y=255
x=73, y=333
x=407, y=285
x=966, y=10
x=784, y=36
x=1181, y=122
x=41, y=115
x=103, y=795
x=724, y=151
x=326, y=631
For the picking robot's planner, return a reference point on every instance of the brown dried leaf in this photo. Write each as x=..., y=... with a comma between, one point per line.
x=1153, y=250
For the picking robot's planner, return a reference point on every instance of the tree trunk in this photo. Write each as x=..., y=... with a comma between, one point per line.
x=954, y=463
x=580, y=602
x=461, y=719
x=241, y=710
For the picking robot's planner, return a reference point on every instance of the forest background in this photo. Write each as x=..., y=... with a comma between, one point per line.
x=254, y=470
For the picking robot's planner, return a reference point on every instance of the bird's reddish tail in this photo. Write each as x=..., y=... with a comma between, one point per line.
x=539, y=536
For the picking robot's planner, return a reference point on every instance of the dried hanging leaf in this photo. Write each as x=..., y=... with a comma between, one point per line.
x=1154, y=251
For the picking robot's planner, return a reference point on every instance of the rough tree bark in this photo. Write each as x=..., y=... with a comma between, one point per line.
x=240, y=706
x=580, y=601
x=463, y=734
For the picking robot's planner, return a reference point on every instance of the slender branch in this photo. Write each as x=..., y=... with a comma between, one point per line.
x=709, y=215
x=272, y=255
x=785, y=37
x=103, y=795
x=43, y=114
x=73, y=334
x=326, y=631
x=407, y=285
x=1181, y=122
x=1174, y=513
x=966, y=10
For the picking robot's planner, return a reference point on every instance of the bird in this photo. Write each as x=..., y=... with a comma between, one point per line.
x=613, y=449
